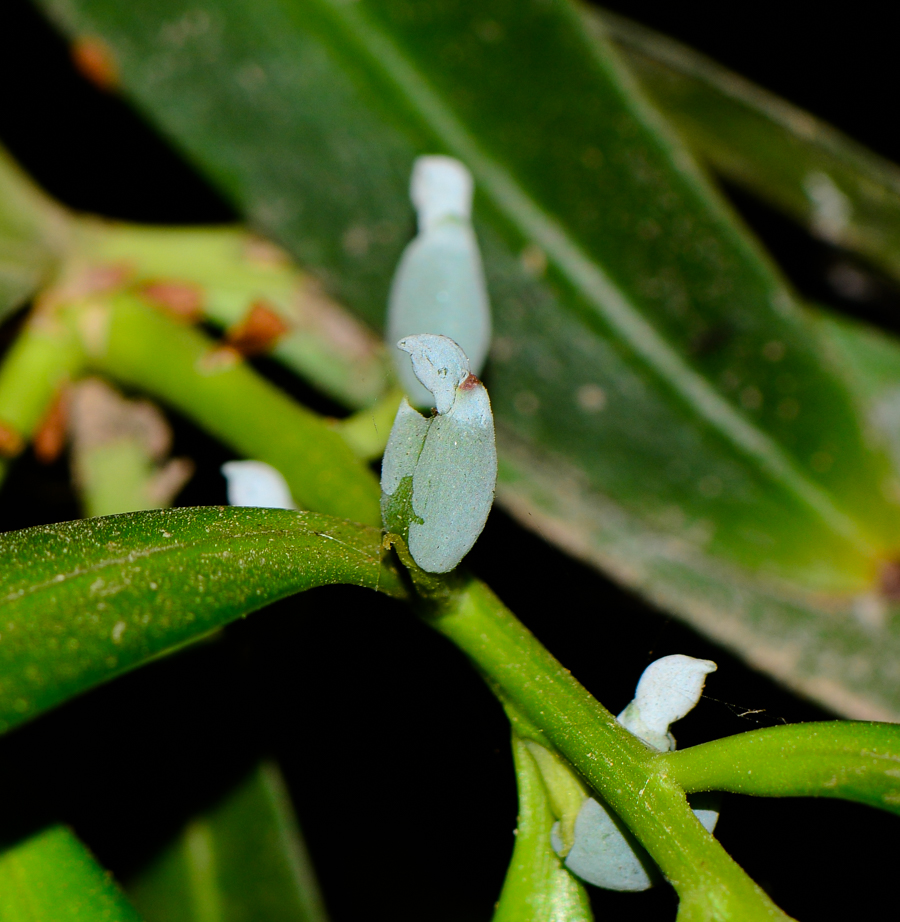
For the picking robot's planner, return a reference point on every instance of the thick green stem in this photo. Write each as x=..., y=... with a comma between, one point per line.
x=849, y=760
x=536, y=885
x=45, y=356
x=221, y=272
x=34, y=232
x=140, y=346
x=367, y=431
x=624, y=772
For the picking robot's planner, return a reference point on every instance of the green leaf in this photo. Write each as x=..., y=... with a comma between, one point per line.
x=871, y=361
x=52, y=877
x=843, y=192
x=82, y=602
x=664, y=408
x=244, y=860
x=843, y=759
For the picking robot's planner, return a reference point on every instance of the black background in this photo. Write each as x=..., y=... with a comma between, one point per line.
x=396, y=756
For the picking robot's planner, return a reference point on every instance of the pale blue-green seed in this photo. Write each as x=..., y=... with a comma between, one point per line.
x=450, y=457
x=440, y=187
x=605, y=853
x=255, y=483
x=453, y=483
x=439, y=284
x=403, y=448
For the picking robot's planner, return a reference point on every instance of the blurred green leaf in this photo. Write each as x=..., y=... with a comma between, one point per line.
x=243, y=861
x=52, y=877
x=664, y=407
x=871, y=362
x=843, y=192
x=843, y=759
x=82, y=602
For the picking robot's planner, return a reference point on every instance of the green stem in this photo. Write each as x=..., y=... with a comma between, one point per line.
x=44, y=357
x=849, y=760
x=624, y=772
x=537, y=886
x=34, y=232
x=367, y=431
x=142, y=347
x=228, y=270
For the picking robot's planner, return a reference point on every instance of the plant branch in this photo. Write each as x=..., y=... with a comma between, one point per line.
x=624, y=772
x=214, y=386
x=850, y=760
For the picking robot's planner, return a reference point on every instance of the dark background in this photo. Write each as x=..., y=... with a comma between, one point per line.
x=396, y=756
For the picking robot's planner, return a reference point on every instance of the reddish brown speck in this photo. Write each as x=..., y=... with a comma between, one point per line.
x=94, y=60
x=221, y=358
x=11, y=443
x=259, y=330
x=104, y=277
x=469, y=383
x=50, y=438
x=182, y=299
x=889, y=580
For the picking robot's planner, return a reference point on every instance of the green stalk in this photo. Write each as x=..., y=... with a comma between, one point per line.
x=44, y=357
x=34, y=232
x=367, y=431
x=227, y=270
x=624, y=772
x=845, y=759
x=141, y=347
x=537, y=886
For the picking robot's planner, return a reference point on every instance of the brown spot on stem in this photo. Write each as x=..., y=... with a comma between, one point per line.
x=259, y=330
x=11, y=443
x=50, y=438
x=469, y=383
x=98, y=278
x=889, y=580
x=221, y=358
x=94, y=60
x=181, y=299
